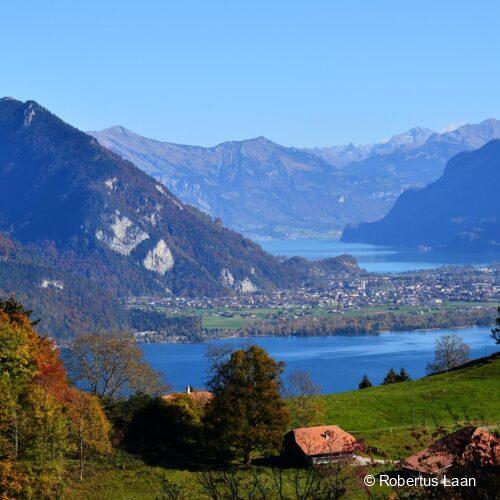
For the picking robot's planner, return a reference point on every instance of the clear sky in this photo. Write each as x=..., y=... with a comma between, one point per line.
x=303, y=73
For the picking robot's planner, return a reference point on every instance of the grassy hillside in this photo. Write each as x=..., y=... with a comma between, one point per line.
x=384, y=416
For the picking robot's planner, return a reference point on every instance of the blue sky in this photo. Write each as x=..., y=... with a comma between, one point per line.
x=303, y=73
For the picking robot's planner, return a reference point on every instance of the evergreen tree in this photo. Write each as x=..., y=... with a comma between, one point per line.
x=495, y=332
x=15, y=310
x=402, y=376
x=165, y=432
x=248, y=412
x=365, y=382
x=390, y=378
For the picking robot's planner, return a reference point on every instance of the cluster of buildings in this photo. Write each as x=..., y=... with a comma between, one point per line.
x=428, y=288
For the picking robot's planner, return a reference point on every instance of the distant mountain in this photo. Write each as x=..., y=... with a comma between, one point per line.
x=255, y=186
x=344, y=155
x=458, y=211
x=86, y=211
x=263, y=189
x=417, y=163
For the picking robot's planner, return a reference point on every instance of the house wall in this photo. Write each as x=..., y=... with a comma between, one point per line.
x=328, y=459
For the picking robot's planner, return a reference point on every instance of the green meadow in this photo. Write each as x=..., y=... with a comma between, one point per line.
x=384, y=417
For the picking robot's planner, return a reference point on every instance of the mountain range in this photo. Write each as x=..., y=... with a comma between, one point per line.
x=264, y=189
x=81, y=228
x=85, y=228
x=459, y=211
x=65, y=194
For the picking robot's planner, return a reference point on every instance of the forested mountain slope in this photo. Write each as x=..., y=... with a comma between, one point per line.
x=458, y=211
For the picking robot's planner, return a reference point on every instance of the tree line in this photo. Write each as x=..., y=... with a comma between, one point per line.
x=44, y=419
x=370, y=323
x=450, y=351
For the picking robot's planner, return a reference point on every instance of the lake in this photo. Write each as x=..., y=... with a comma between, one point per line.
x=375, y=258
x=336, y=363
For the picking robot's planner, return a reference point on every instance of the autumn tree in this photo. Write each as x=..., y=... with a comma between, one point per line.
x=89, y=428
x=33, y=425
x=365, y=382
x=19, y=355
x=35, y=407
x=450, y=351
x=305, y=409
x=247, y=412
x=14, y=480
x=112, y=364
x=44, y=427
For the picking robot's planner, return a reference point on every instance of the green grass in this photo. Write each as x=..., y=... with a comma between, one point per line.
x=123, y=477
x=384, y=416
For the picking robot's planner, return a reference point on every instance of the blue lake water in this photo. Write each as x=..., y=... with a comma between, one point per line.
x=375, y=258
x=336, y=363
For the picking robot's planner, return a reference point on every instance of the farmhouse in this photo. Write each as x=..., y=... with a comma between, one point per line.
x=469, y=445
x=318, y=445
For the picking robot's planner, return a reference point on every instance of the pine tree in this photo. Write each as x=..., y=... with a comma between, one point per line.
x=495, y=332
x=390, y=378
x=15, y=310
x=402, y=376
x=365, y=382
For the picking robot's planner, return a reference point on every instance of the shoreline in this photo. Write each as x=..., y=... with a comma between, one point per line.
x=346, y=334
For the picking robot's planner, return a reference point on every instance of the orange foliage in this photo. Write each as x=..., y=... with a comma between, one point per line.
x=57, y=418
x=51, y=372
x=13, y=480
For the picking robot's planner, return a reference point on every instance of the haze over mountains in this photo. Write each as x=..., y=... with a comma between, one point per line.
x=81, y=226
x=459, y=211
x=343, y=155
x=264, y=189
x=59, y=188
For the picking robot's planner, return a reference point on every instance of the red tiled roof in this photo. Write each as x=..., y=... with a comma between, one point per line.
x=324, y=440
x=458, y=446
